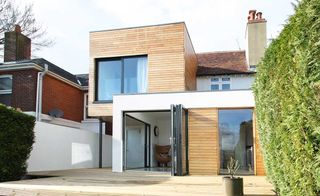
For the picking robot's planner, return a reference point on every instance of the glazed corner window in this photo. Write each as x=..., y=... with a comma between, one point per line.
x=120, y=75
x=5, y=89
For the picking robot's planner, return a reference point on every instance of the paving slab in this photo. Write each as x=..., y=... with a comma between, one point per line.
x=104, y=182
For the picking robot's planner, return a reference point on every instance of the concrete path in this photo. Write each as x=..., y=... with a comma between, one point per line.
x=104, y=182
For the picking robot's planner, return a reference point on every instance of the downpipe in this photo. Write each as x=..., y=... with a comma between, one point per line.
x=39, y=92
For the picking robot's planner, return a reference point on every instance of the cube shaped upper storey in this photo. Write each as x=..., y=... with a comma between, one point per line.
x=171, y=60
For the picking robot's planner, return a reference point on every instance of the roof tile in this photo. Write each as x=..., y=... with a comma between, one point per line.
x=220, y=63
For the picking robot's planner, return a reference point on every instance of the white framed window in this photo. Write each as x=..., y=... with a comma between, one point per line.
x=220, y=83
x=5, y=89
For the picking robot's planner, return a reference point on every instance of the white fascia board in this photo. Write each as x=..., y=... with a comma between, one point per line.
x=9, y=67
x=163, y=101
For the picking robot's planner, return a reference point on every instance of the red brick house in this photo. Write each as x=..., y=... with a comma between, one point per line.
x=21, y=79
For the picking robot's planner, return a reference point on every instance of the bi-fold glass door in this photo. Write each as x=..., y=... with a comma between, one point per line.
x=179, y=140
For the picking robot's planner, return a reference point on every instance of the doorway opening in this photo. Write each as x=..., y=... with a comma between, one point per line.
x=137, y=143
x=156, y=140
x=147, y=141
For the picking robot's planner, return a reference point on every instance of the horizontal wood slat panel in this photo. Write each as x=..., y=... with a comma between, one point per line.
x=203, y=141
x=190, y=63
x=259, y=165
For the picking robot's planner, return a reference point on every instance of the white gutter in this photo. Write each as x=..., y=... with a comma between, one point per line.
x=39, y=92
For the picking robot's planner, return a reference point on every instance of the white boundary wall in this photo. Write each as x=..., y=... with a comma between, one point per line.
x=163, y=101
x=59, y=147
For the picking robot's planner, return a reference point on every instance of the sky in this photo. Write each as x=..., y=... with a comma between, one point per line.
x=213, y=25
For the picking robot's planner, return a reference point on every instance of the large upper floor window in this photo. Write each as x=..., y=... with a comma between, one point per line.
x=120, y=75
x=5, y=89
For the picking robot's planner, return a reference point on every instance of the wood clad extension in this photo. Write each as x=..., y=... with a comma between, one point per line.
x=203, y=141
x=191, y=63
x=259, y=165
x=165, y=46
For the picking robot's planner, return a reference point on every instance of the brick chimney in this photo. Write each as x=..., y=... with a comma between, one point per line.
x=17, y=46
x=256, y=37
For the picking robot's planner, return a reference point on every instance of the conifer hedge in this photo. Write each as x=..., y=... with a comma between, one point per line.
x=287, y=93
x=16, y=140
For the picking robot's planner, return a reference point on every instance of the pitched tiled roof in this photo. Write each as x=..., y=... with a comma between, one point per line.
x=221, y=63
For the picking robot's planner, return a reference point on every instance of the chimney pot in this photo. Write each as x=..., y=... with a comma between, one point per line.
x=259, y=16
x=17, y=28
x=252, y=14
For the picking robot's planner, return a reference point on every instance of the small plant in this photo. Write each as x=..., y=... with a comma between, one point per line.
x=233, y=166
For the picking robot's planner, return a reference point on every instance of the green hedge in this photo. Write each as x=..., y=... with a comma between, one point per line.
x=287, y=93
x=16, y=139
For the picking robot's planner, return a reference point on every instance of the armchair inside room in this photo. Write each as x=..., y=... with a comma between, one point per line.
x=163, y=156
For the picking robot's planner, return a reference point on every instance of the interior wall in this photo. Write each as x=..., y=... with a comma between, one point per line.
x=135, y=146
x=164, y=132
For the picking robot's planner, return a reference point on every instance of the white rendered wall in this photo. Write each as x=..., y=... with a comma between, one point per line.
x=237, y=82
x=163, y=101
x=91, y=125
x=58, y=148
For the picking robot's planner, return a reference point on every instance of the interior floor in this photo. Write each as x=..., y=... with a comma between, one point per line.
x=155, y=169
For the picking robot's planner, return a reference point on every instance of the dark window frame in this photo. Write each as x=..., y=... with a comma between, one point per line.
x=96, y=71
x=253, y=133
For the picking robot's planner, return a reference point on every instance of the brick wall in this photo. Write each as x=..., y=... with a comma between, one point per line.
x=24, y=87
x=58, y=94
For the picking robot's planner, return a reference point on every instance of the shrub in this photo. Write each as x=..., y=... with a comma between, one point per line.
x=16, y=139
x=287, y=93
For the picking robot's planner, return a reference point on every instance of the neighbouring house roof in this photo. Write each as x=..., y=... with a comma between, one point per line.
x=55, y=69
x=77, y=79
x=222, y=63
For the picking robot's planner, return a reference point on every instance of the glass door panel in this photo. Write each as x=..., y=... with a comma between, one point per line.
x=236, y=139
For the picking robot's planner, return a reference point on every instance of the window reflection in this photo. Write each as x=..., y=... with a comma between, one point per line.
x=121, y=75
x=236, y=138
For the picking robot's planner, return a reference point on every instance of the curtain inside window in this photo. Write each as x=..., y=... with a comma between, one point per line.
x=142, y=75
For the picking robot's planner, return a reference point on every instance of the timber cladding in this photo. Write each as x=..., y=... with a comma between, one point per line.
x=203, y=141
x=191, y=63
x=259, y=165
x=204, y=150
x=171, y=58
